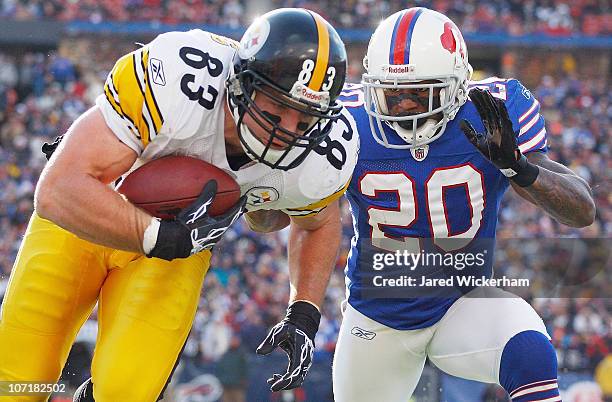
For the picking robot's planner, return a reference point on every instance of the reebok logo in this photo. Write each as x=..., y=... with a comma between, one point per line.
x=363, y=334
x=157, y=72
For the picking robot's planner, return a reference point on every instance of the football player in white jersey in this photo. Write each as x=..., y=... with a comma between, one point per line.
x=264, y=110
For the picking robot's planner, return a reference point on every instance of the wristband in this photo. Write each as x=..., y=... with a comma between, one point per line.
x=305, y=316
x=149, y=237
x=523, y=173
x=173, y=241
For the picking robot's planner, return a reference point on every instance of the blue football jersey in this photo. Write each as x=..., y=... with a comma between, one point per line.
x=442, y=198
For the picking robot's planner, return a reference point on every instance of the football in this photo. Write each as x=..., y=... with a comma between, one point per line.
x=166, y=185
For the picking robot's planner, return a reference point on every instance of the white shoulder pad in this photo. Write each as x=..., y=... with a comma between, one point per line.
x=326, y=172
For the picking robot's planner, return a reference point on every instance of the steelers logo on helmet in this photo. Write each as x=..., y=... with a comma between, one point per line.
x=291, y=62
x=254, y=38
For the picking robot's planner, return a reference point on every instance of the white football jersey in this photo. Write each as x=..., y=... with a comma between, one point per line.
x=168, y=97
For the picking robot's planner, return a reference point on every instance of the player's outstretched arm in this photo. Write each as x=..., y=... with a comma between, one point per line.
x=73, y=189
x=547, y=184
x=313, y=249
x=560, y=192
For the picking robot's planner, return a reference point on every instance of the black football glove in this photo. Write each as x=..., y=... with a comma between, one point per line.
x=193, y=230
x=49, y=147
x=498, y=142
x=295, y=335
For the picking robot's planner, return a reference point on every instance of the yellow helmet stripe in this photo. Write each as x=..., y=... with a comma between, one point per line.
x=322, y=54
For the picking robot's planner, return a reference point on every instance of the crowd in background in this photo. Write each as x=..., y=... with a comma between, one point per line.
x=219, y=12
x=247, y=288
x=516, y=17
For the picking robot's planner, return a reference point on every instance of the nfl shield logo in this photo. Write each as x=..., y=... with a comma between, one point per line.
x=419, y=153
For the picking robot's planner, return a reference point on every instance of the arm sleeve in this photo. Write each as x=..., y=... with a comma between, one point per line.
x=128, y=103
x=528, y=123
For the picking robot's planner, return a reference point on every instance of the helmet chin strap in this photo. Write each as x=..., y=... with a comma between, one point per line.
x=421, y=134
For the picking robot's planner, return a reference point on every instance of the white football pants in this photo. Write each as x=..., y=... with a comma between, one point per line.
x=376, y=363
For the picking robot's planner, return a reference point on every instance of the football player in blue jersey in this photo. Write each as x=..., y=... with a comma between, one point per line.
x=437, y=154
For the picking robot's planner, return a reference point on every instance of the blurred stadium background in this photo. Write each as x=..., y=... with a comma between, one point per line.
x=54, y=57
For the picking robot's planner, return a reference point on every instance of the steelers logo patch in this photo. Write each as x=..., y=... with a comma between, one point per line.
x=261, y=195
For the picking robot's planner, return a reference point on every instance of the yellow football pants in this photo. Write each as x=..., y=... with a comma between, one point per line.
x=145, y=311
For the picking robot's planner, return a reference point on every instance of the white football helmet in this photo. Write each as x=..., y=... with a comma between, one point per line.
x=407, y=48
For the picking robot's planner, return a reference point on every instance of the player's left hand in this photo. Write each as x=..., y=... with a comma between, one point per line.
x=498, y=142
x=49, y=148
x=295, y=335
